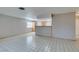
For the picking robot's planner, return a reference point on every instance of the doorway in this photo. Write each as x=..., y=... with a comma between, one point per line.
x=77, y=25
x=33, y=26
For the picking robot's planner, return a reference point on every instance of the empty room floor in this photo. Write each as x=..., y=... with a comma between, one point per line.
x=31, y=43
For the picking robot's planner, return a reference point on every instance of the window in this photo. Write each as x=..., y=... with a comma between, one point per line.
x=29, y=24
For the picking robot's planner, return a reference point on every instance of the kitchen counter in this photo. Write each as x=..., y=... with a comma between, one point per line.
x=43, y=30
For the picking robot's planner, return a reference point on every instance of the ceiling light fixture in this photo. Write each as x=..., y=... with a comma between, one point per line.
x=21, y=8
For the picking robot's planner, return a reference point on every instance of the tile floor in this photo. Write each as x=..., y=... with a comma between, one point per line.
x=31, y=43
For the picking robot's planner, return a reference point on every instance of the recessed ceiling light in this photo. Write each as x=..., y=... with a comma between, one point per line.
x=21, y=8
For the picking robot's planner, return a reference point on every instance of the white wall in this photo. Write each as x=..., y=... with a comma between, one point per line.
x=11, y=26
x=64, y=26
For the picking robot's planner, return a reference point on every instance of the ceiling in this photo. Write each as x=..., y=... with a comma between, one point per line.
x=36, y=12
